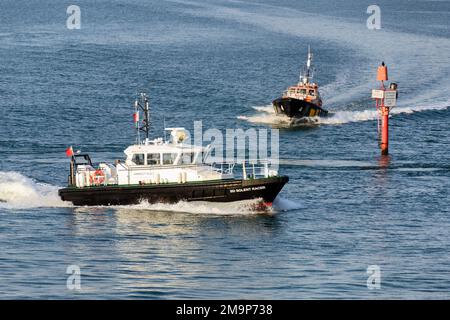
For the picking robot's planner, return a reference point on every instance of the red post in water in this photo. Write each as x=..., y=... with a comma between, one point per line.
x=384, y=131
x=385, y=99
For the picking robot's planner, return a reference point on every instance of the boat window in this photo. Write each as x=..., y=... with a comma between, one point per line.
x=187, y=157
x=169, y=158
x=153, y=159
x=303, y=91
x=138, y=159
x=311, y=92
x=200, y=156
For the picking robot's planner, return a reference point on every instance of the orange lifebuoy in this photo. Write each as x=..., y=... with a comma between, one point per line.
x=98, y=177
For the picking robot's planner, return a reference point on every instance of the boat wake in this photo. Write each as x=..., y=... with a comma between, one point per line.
x=244, y=207
x=266, y=115
x=282, y=205
x=18, y=191
x=342, y=117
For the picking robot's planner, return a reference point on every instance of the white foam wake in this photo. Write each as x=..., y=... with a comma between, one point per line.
x=243, y=207
x=201, y=207
x=19, y=191
x=266, y=115
x=267, y=119
x=282, y=204
x=342, y=117
x=266, y=109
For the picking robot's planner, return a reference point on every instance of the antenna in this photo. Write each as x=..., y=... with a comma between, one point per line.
x=164, y=123
x=308, y=64
x=308, y=71
x=142, y=103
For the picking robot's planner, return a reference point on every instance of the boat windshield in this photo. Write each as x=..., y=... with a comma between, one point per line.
x=138, y=159
x=187, y=157
x=169, y=158
x=153, y=159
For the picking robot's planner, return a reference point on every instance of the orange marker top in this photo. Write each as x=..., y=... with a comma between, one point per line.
x=382, y=74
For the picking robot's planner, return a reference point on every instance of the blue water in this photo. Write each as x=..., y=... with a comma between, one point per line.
x=222, y=62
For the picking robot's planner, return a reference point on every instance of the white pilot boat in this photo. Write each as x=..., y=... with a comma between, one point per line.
x=167, y=171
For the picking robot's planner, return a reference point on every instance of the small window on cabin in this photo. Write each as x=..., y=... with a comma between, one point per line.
x=169, y=158
x=303, y=91
x=311, y=92
x=153, y=159
x=82, y=160
x=138, y=159
x=187, y=158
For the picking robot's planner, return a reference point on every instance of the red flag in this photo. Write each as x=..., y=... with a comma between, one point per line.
x=136, y=117
x=69, y=152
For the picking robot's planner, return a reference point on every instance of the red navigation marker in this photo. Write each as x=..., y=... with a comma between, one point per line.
x=386, y=99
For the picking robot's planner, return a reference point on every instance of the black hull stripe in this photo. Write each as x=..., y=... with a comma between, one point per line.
x=295, y=108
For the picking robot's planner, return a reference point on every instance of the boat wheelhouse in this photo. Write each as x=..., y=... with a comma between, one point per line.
x=152, y=162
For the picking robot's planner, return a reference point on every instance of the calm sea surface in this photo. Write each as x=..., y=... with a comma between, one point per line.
x=223, y=62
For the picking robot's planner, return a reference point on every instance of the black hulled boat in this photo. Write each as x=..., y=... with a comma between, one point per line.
x=302, y=100
x=168, y=172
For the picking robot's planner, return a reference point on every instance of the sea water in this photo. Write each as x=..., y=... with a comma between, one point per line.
x=223, y=62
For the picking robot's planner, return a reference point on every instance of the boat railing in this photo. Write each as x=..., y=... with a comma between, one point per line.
x=247, y=169
x=223, y=167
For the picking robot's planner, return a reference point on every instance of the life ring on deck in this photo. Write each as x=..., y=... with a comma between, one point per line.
x=98, y=177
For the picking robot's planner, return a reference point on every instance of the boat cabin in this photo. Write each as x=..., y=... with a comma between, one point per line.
x=303, y=92
x=151, y=162
x=162, y=155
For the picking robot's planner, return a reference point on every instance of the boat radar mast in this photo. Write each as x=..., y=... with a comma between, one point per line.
x=142, y=103
x=307, y=73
